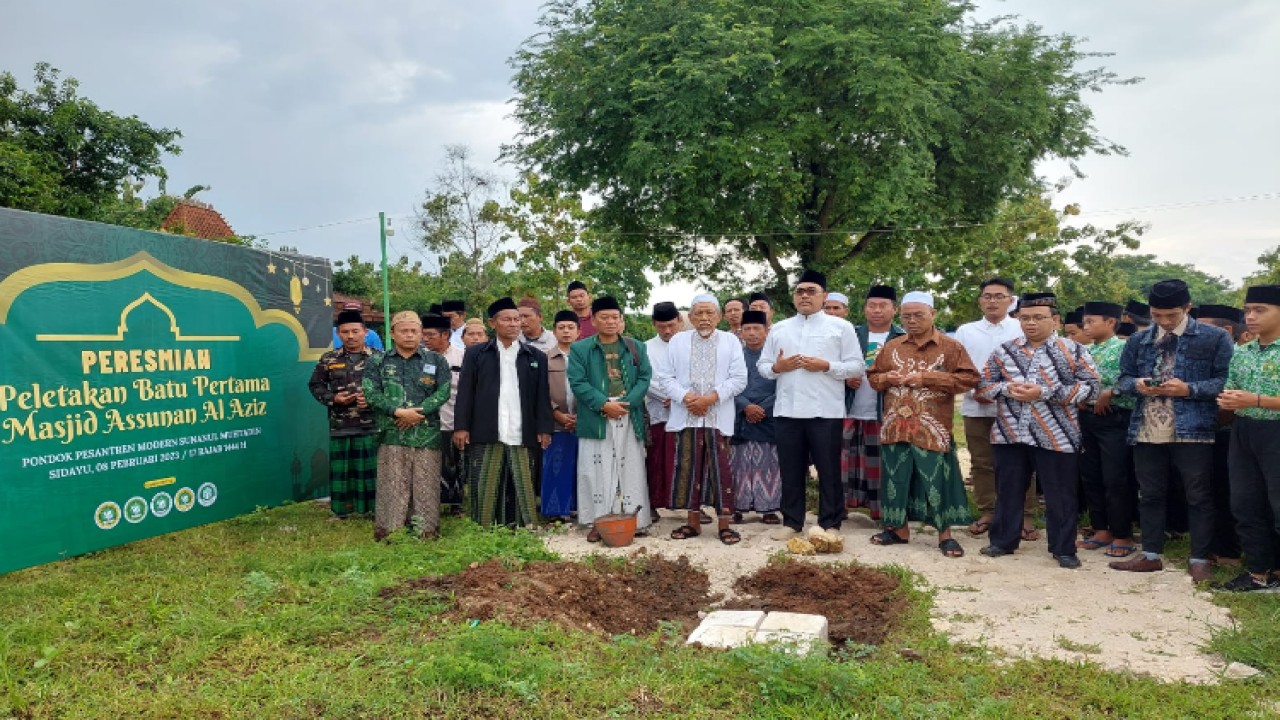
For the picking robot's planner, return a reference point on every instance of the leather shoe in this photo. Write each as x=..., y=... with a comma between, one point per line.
x=1068, y=562
x=1138, y=563
x=1200, y=572
x=994, y=551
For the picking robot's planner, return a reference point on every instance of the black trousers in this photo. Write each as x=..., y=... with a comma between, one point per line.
x=1226, y=542
x=1255, y=491
x=802, y=442
x=1058, y=476
x=1158, y=467
x=1106, y=472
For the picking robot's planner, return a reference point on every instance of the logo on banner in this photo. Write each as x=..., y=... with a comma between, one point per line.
x=207, y=494
x=135, y=509
x=161, y=504
x=184, y=499
x=107, y=515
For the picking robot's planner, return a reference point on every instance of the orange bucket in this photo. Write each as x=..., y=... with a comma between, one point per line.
x=616, y=530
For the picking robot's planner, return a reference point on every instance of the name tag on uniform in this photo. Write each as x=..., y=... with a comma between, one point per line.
x=429, y=369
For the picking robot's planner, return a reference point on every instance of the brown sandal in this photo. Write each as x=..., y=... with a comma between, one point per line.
x=593, y=536
x=684, y=532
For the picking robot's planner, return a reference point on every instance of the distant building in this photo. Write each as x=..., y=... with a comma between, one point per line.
x=197, y=219
x=372, y=314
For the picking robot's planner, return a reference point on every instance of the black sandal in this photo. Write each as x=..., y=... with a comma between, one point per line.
x=950, y=548
x=593, y=536
x=887, y=537
x=729, y=536
x=684, y=532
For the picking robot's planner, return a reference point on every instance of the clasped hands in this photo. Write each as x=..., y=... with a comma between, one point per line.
x=1026, y=392
x=1168, y=388
x=787, y=363
x=698, y=405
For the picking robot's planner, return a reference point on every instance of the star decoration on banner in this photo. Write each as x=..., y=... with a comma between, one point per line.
x=328, y=302
x=271, y=267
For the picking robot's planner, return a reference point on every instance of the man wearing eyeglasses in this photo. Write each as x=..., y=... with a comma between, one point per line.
x=810, y=355
x=980, y=338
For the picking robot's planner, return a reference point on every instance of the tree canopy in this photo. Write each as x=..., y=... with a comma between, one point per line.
x=61, y=154
x=794, y=134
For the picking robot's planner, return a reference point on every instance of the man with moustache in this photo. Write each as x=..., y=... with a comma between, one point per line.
x=753, y=453
x=353, y=439
x=733, y=309
x=810, y=356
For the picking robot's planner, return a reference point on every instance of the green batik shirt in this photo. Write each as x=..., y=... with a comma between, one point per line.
x=1256, y=369
x=422, y=380
x=1106, y=356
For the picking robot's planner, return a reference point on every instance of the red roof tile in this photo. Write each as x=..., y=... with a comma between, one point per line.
x=190, y=217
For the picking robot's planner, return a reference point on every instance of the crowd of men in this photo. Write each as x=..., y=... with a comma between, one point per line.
x=1159, y=417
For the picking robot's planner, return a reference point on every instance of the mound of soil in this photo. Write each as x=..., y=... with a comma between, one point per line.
x=861, y=605
x=611, y=597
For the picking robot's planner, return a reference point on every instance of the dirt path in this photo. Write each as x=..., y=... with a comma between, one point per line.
x=1023, y=605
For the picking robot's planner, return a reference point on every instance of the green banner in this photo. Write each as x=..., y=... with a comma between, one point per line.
x=150, y=383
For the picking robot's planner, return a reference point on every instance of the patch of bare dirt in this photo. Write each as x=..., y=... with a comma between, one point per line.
x=862, y=605
x=600, y=595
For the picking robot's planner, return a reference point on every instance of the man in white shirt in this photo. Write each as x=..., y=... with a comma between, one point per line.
x=702, y=373
x=435, y=336
x=456, y=311
x=810, y=355
x=980, y=338
x=660, y=461
x=837, y=305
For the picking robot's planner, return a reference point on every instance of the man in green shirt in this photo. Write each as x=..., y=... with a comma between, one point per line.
x=406, y=387
x=1106, y=465
x=1253, y=394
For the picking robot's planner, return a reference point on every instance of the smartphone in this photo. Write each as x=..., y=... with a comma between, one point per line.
x=1154, y=383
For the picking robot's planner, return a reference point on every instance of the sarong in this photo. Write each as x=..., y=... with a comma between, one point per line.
x=703, y=477
x=560, y=475
x=860, y=465
x=501, y=485
x=408, y=489
x=453, y=471
x=611, y=475
x=924, y=486
x=660, y=464
x=757, y=482
x=353, y=474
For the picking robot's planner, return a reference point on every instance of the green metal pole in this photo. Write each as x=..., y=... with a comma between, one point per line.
x=386, y=286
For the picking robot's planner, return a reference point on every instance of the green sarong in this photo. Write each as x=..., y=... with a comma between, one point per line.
x=921, y=485
x=353, y=473
x=500, y=483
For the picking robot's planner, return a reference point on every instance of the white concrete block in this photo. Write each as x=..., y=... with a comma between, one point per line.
x=793, y=632
x=721, y=636
x=734, y=618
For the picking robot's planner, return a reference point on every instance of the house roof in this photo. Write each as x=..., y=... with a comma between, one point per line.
x=192, y=217
x=372, y=313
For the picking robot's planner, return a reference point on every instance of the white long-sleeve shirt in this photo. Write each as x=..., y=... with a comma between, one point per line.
x=677, y=378
x=980, y=338
x=657, y=349
x=510, y=416
x=805, y=394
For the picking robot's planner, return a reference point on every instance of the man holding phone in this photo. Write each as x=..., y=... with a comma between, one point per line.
x=1176, y=368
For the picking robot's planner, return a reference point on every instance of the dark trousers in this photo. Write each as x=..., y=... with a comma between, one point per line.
x=1158, y=467
x=1106, y=472
x=1226, y=543
x=1058, y=476
x=802, y=442
x=1255, y=491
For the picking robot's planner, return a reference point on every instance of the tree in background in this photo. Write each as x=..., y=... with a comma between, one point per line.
x=794, y=134
x=1267, y=274
x=1143, y=271
x=61, y=154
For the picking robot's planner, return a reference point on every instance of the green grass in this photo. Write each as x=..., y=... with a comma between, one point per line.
x=277, y=615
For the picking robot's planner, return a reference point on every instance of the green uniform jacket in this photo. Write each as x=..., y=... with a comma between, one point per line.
x=422, y=380
x=590, y=384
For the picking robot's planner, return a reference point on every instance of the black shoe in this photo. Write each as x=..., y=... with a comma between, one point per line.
x=1246, y=582
x=1068, y=562
x=994, y=551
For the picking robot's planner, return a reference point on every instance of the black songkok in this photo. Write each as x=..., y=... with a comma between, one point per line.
x=435, y=322
x=1263, y=294
x=1103, y=309
x=604, y=303
x=349, y=316
x=755, y=317
x=453, y=306
x=1138, y=309
x=760, y=295
x=813, y=276
x=501, y=304
x=1169, y=294
x=883, y=291
x=1042, y=299
x=566, y=316
x=1223, y=312
x=665, y=311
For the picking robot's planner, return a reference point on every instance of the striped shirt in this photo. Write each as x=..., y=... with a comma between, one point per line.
x=1066, y=374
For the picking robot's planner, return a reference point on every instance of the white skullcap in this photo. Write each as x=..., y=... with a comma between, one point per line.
x=705, y=298
x=839, y=297
x=918, y=296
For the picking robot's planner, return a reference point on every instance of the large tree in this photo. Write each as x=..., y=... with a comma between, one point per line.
x=794, y=133
x=62, y=154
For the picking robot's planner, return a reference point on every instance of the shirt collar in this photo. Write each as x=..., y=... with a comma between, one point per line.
x=932, y=337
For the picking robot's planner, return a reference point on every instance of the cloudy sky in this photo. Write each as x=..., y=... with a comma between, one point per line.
x=302, y=114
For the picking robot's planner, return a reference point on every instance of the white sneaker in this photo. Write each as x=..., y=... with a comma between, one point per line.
x=785, y=533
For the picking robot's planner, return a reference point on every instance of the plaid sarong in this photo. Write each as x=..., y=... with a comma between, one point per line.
x=353, y=474
x=702, y=476
x=757, y=481
x=501, y=485
x=860, y=465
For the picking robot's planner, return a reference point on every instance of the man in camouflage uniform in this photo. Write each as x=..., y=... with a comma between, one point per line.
x=406, y=387
x=353, y=441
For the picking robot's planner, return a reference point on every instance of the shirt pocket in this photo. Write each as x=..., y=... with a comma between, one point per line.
x=826, y=345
